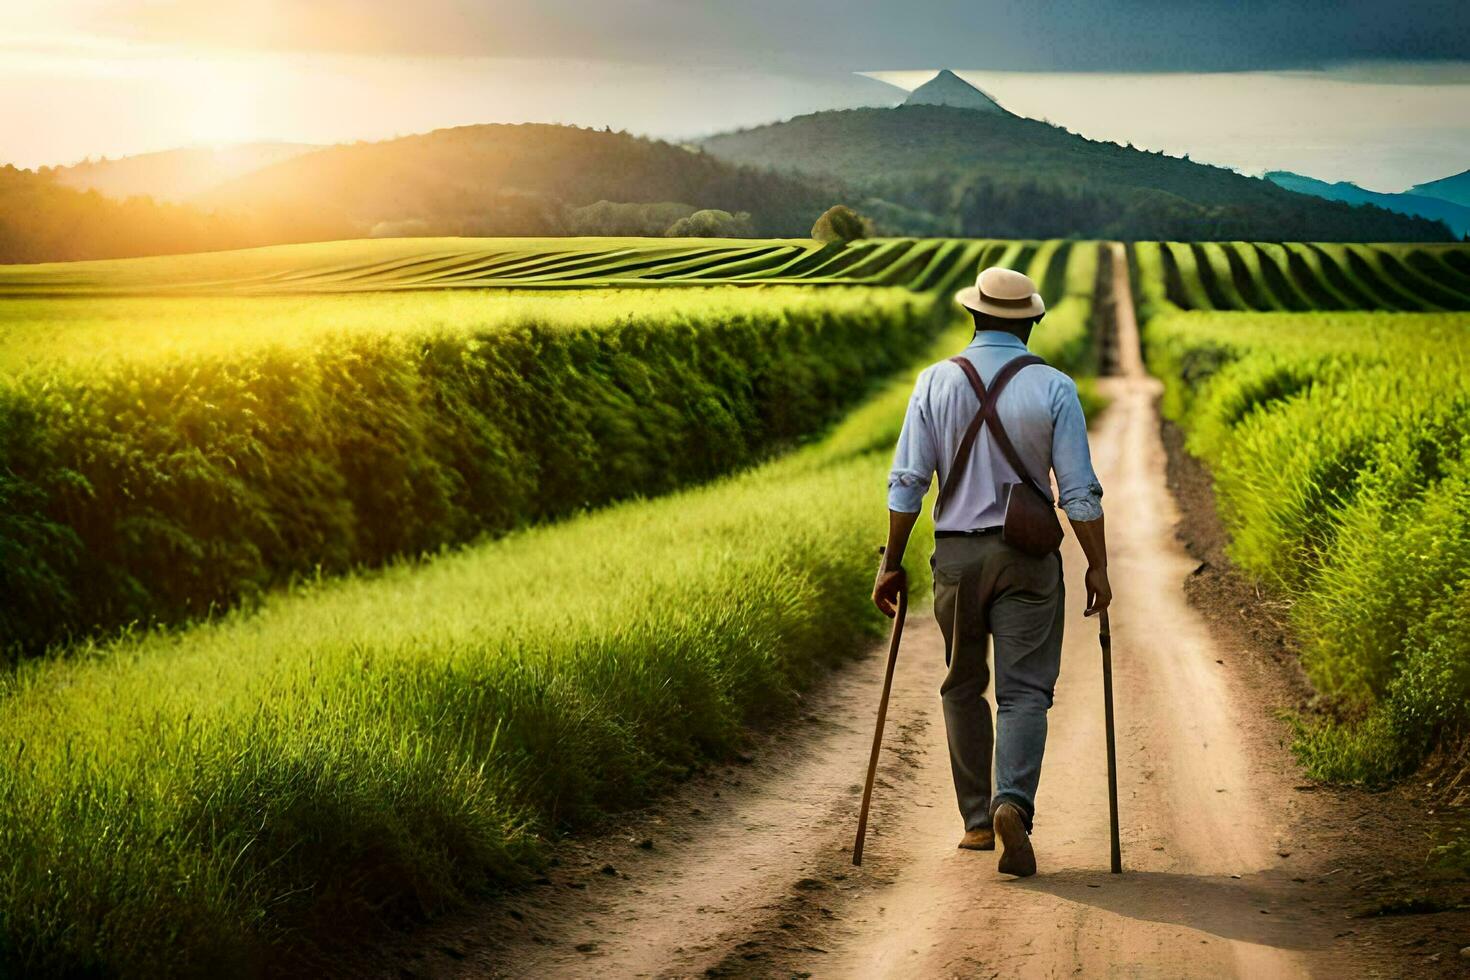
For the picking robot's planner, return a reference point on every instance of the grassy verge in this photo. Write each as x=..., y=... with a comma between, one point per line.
x=1340, y=448
x=164, y=457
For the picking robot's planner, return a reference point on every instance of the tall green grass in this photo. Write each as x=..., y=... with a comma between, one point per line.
x=374, y=748
x=1340, y=449
x=161, y=458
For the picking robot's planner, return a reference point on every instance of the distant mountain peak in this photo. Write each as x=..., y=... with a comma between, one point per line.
x=1455, y=189
x=947, y=88
x=1420, y=201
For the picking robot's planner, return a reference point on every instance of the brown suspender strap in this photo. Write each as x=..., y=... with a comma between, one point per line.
x=967, y=442
x=997, y=430
x=987, y=413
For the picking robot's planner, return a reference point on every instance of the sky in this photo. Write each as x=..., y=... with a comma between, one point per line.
x=1338, y=89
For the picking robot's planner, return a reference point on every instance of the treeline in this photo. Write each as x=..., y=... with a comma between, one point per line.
x=514, y=214
x=968, y=205
x=44, y=221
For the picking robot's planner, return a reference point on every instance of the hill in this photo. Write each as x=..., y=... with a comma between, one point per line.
x=1456, y=216
x=42, y=221
x=174, y=175
x=962, y=172
x=1454, y=189
x=522, y=179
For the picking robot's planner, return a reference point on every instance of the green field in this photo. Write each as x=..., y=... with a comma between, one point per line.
x=173, y=453
x=211, y=460
x=355, y=749
x=1271, y=277
x=461, y=641
x=933, y=264
x=1339, y=443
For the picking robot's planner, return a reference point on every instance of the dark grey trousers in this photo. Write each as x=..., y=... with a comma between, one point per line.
x=984, y=589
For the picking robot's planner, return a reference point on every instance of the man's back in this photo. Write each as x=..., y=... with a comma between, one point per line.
x=1041, y=413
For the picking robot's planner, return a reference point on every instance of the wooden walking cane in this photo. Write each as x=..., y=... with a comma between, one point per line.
x=898, y=615
x=1105, y=638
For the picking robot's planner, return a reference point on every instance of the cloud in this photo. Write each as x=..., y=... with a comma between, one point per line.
x=1059, y=35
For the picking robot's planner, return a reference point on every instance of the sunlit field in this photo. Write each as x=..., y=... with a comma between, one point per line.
x=1339, y=443
x=458, y=263
x=445, y=462
x=242, y=442
x=169, y=455
x=346, y=751
x=346, y=585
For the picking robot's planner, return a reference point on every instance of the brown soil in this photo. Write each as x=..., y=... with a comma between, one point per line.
x=1234, y=864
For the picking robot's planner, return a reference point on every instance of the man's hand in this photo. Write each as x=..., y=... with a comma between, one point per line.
x=1091, y=537
x=891, y=578
x=886, y=586
x=1099, y=592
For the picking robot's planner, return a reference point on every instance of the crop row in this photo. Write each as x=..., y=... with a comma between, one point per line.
x=923, y=265
x=165, y=456
x=156, y=484
x=1303, y=276
x=1340, y=449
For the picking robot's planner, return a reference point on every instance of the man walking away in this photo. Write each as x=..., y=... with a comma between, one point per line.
x=984, y=587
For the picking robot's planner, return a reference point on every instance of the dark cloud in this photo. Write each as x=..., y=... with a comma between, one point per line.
x=1038, y=35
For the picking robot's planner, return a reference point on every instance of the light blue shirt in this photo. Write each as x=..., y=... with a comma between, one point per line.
x=1041, y=413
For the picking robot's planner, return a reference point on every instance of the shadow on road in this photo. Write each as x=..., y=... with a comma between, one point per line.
x=1266, y=908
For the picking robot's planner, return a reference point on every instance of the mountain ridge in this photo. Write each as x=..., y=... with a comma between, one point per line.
x=917, y=169
x=515, y=179
x=1454, y=188
x=1455, y=216
x=997, y=174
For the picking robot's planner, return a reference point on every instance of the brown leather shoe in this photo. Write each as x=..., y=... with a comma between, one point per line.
x=982, y=839
x=1016, y=858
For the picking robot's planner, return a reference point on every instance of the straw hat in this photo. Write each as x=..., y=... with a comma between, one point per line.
x=1003, y=293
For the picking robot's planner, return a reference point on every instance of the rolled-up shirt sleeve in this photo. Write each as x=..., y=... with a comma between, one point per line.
x=1078, y=492
x=916, y=457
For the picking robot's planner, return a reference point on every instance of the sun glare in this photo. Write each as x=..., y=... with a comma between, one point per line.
x=218, y=100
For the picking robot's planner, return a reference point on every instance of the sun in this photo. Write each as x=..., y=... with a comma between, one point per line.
x=219, y=102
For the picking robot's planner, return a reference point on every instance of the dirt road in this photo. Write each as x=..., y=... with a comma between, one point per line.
x=750, y=875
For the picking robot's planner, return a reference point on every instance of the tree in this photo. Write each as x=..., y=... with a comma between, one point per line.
x=619, y=218
x=840, y=223
x=712, y=223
